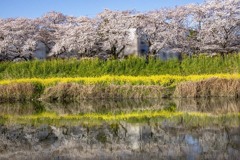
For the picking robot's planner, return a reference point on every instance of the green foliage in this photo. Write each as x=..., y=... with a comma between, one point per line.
x=131, y=66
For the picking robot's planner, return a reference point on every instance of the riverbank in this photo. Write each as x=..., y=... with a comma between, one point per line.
x=120, y=87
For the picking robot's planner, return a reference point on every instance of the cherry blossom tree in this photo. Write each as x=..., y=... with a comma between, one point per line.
x=78, y=36
x=220, y=30
x=17, y=37
x=113, y=30
x=152, y=26
x=213, y=26
x=51, y=27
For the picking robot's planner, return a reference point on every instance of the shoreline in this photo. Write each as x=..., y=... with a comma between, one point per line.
x=123, y=87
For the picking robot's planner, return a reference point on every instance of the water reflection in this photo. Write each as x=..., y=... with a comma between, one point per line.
x=119, y=141
x=214, y=105
x=27, y=108
x=105, y=106
x=195, y=148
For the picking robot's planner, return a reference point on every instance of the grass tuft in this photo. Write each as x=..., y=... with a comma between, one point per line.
x=213, y=87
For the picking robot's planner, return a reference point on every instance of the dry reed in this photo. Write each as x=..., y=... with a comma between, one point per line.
x=213, y=87
x=77, y=92
x=17, y=92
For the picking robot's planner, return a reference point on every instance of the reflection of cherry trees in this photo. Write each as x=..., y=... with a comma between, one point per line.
x=213, y=26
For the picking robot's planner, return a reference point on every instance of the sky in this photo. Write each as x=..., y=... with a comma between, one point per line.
x=37, y=8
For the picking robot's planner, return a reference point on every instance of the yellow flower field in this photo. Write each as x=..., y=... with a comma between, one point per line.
x=163, y=80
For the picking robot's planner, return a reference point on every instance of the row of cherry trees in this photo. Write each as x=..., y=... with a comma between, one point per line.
x=213, y=26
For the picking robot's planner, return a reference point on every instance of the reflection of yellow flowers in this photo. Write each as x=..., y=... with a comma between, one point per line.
x=163, y=80
x=110, y=116
x=190, y=119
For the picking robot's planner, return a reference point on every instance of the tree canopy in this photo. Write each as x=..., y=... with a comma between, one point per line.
x=213, y=26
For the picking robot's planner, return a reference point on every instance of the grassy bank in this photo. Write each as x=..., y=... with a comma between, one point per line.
x=120, y=87
x=74, y=80
x=131, y=66
x=192, y=119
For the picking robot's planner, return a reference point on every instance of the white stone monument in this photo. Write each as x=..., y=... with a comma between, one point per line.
x=137, y=43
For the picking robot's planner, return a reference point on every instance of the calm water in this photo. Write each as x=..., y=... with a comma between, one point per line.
x=121, y=140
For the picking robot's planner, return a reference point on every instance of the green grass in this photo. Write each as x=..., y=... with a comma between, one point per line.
x=131, y=66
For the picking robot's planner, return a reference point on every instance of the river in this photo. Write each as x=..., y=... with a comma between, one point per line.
x=145, y=138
